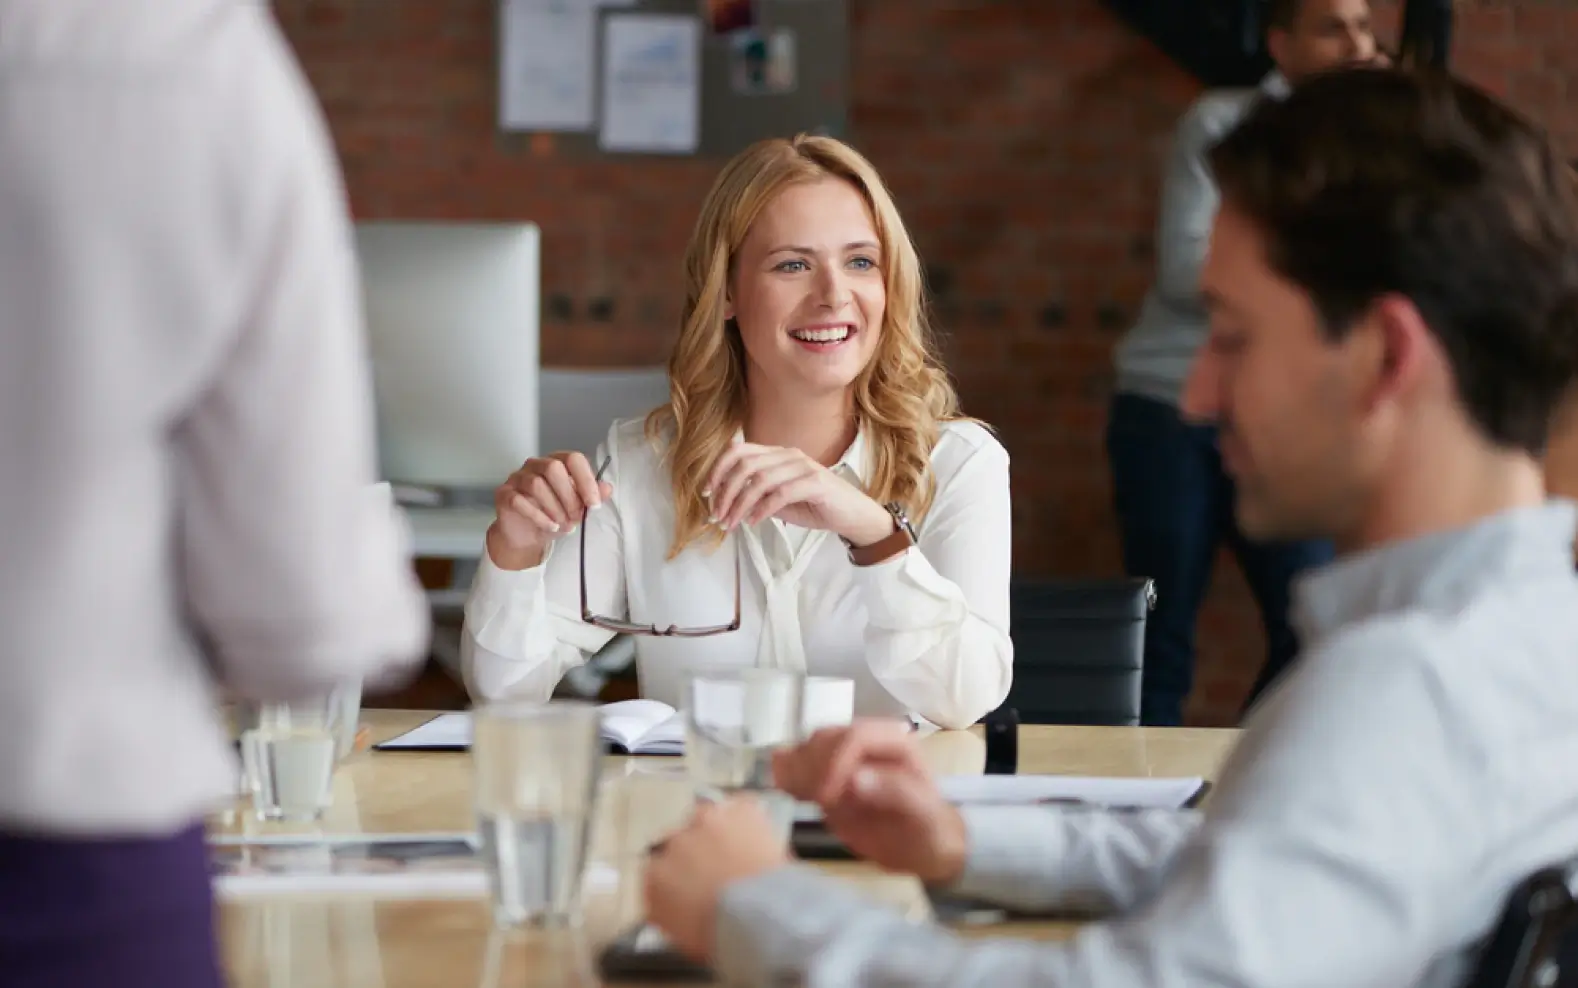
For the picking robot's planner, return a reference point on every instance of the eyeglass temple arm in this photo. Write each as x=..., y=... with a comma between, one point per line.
x=586, y=607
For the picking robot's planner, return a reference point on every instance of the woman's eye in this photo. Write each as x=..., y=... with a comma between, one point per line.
x=791, y=266
x=863, y=263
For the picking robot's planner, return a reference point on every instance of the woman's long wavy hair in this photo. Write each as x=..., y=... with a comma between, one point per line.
x=901, y=398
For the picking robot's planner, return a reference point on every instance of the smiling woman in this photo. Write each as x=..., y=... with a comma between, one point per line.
x=812, y=444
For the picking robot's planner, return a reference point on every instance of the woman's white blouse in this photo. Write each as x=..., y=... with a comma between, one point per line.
x=924, y=633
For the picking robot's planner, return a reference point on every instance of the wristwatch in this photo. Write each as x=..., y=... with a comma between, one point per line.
x=886, y=548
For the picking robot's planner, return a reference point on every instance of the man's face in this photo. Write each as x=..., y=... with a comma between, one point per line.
x=1287, y=403
x=1326, y=34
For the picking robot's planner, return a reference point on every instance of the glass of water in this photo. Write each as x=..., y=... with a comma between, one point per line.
x=537, y=768
x=734, y=721
x=288, y=753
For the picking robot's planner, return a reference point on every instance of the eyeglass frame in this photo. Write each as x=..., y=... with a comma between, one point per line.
x=629, y=627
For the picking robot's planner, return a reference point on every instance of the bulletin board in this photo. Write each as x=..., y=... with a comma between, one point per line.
x=763, y=68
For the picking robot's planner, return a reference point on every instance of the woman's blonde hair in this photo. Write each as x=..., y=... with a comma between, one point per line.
x=902, y=396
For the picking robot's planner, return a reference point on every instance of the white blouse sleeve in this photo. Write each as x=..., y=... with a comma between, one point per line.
x=937, y=636
x=523, y=629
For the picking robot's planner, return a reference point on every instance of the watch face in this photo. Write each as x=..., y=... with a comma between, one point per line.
x=901, y=518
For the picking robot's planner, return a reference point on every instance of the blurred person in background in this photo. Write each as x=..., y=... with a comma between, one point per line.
x=187, y=503
x=1174, y=500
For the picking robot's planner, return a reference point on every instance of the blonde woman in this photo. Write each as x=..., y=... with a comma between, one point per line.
x=809, y=499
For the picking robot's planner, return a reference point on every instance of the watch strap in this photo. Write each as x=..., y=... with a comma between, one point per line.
x=902, y=537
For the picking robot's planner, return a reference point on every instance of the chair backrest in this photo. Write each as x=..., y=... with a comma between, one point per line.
x=1079, y=648
x=579, y=404
x=1535, y=942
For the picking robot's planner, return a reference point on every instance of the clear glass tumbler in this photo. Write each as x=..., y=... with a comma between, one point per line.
x=537, y=768
x=734, y=721
x=288, y=753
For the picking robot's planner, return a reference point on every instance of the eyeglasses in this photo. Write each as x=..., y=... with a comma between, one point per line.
x=626, y=627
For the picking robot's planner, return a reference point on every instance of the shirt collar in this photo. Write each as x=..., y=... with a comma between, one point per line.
x=1441, y=571
x=1276, y=85
x=854, y=461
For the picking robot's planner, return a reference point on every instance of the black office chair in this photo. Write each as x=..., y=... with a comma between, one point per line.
x=1079, y=650
x=1535, y=942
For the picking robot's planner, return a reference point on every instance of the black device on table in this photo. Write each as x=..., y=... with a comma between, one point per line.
x=643, y=954
x=812, y=840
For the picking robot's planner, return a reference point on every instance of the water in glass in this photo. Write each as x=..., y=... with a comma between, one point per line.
x=291, y=770
x=734, y=722
x=537, y=773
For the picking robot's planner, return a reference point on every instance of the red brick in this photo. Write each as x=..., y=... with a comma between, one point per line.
x=1022, y=138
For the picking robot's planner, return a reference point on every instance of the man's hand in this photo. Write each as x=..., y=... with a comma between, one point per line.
x=877, y=796
x=722, y=844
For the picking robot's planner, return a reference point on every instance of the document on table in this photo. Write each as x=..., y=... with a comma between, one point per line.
x=417, y=866
x=651, y=83
x=1131, y=793
x=1057, y=790
x=547, y=63
x=446, y=732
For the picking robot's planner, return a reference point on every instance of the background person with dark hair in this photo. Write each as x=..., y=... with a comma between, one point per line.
x=1173, y=499
x=1393, y=290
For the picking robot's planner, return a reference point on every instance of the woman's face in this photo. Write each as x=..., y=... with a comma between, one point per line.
x=807, y=290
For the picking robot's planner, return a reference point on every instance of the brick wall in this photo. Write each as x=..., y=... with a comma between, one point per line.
x=1021, y=139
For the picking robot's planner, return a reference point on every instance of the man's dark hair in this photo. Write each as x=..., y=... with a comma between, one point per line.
x=1367, y=182
x=1282, y=14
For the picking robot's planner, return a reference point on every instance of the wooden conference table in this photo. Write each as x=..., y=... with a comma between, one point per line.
x=362, y=942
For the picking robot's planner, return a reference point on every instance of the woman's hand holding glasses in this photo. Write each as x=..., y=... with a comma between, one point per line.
x=541, y=501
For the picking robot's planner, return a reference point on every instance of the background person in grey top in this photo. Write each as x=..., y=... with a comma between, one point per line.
x=1394, y=313
x=1172, y=498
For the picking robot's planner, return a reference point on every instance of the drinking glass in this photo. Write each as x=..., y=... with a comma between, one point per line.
x=537, y=771
x=288, y=754
x=734, y=721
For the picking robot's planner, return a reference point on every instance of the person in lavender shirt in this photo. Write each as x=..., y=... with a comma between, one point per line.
x=188, y=504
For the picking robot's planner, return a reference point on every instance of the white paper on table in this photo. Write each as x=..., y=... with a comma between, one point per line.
x=417, y=865
x=651, y=83
x=1026, y=790
x=1137, y=793
x=451, y=732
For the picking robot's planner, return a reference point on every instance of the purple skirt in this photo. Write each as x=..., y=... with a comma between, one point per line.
x=130, y=912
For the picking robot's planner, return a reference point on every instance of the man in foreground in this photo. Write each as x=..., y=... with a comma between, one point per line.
x=1393, y=282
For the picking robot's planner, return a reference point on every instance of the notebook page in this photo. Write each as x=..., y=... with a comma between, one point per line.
x=664, y=738
x=628, y=721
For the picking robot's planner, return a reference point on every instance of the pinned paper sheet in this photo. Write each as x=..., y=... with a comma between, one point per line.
x=547, y=63
x=651, y=83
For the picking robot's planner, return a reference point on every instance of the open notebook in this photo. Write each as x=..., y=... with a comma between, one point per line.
x=635, y=727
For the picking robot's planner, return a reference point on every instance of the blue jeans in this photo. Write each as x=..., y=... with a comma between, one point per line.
x=1174, y=504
